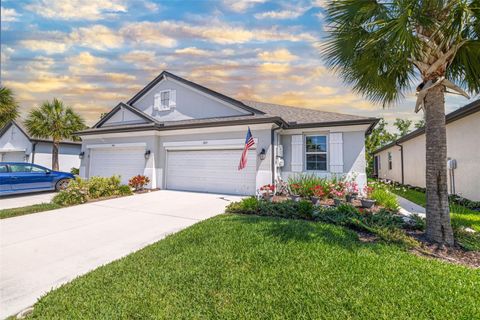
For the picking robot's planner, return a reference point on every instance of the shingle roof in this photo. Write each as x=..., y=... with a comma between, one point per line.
x=300, y=115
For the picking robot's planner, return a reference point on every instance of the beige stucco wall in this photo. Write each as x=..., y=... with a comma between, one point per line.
x=463, y=144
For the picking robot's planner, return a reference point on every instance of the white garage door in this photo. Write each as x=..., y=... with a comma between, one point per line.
x=13, y=156
x=211, y=171
x=126, y=162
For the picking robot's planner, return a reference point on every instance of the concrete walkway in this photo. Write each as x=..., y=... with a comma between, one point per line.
x=41, y=251
x=407, y=207
x=26, y=199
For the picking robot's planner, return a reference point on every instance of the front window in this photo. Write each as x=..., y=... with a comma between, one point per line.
x=316, y=153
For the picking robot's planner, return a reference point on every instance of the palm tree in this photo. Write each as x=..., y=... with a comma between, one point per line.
x=382, y=47
x=8, y=106
x=53, y=120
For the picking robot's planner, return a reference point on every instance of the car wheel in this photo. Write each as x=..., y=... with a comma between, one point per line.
x=62, y=184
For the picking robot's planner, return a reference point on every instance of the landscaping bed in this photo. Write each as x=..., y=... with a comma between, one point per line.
x=325, y=200
x=252, y=267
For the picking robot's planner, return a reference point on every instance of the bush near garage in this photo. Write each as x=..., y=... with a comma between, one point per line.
x=80, y=190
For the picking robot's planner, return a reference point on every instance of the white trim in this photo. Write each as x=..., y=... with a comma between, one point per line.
x=208, y=144
x=13, y=150
x=116, y=145
x=326, y=152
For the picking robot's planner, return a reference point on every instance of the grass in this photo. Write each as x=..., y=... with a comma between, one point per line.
x=461, y=217
x=250, y=267
x=14, y=212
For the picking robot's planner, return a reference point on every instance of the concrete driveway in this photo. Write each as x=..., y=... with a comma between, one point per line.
x=26, y=199
x=41, y=251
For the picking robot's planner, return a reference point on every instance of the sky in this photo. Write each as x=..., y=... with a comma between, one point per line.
x=93, y=54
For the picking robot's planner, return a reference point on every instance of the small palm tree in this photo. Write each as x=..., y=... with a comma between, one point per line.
x=383, y=47
x=8, y=106
x=53, y=120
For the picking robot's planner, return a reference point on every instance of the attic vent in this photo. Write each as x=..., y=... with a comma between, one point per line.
x=164, y=100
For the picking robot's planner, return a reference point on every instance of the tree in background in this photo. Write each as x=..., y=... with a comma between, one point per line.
x=403, y=126
x=377, y=139
x=381, y=47
x=53, y=120
x=8, y=106
x=419, y=124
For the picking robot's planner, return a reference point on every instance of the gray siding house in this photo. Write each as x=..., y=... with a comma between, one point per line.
x=17, y=146
x=184, y=136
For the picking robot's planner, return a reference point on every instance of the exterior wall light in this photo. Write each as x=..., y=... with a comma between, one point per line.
x=263, y=154
x=81, y=154
x=147, y=154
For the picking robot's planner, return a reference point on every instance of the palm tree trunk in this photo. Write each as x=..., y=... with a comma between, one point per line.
x=439, y=228
x=55, y=147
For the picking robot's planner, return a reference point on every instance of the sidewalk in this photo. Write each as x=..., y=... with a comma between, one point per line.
x=407, y=207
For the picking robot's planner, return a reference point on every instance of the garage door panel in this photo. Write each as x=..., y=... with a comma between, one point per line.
x=126, y=162
x=211, y=171
x=13, y=156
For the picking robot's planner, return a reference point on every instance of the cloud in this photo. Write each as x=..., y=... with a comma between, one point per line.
x=151, y=6
x=44, y=83
x=280, y=15
x=9, y=15
x=147, y=33
x=85, y=64
x=192, y=51
x=96, y=37
x=47, y=46
x=269, y=67
x=277, y=55
x=119, y=77
x=139, y=57
x=241, y=5
x=77, y=9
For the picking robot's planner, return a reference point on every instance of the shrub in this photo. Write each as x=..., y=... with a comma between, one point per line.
x=138, y=182
x=75, y=193
x=385, y=198
x=75, y=171
x=80, y=190
x=305, y=209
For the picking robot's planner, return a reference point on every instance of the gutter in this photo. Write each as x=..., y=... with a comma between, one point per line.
x=401, y=161
x=34, y=145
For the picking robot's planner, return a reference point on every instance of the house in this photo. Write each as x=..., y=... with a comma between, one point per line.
x=16, y=145
x=184, y=136
x=404, y=159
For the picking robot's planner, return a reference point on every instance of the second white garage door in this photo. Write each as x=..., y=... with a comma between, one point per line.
x=213, y=171
x=13, y=156
x=126, y=162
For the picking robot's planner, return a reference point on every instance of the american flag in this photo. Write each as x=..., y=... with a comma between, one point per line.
x=249, y=142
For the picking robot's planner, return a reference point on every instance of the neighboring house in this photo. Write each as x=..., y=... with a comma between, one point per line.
x=184, y=136
x=404, y=160
x=17, y=145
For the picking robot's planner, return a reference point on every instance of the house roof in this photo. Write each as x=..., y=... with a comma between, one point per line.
x=458, y=114
x=25, y=132
x=260, y=112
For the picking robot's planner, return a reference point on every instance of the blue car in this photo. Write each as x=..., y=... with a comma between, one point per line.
x=21, y=177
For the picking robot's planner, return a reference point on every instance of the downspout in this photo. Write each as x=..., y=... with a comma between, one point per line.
x=33, y=151
x=401, y=161
x=272, y=141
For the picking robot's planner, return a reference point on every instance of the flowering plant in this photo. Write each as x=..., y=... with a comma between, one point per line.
x=351, y=188
x=267, y=189
x=337, y=194
x=318, y=191
x=367, y=191
x=138, y=182
x=295, y=188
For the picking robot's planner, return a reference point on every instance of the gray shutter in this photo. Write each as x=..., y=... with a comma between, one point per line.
x=297, y=153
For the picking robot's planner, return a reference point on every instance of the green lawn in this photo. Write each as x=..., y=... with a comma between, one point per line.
x=8, y=213
x=461, y=216
x=249, y=267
